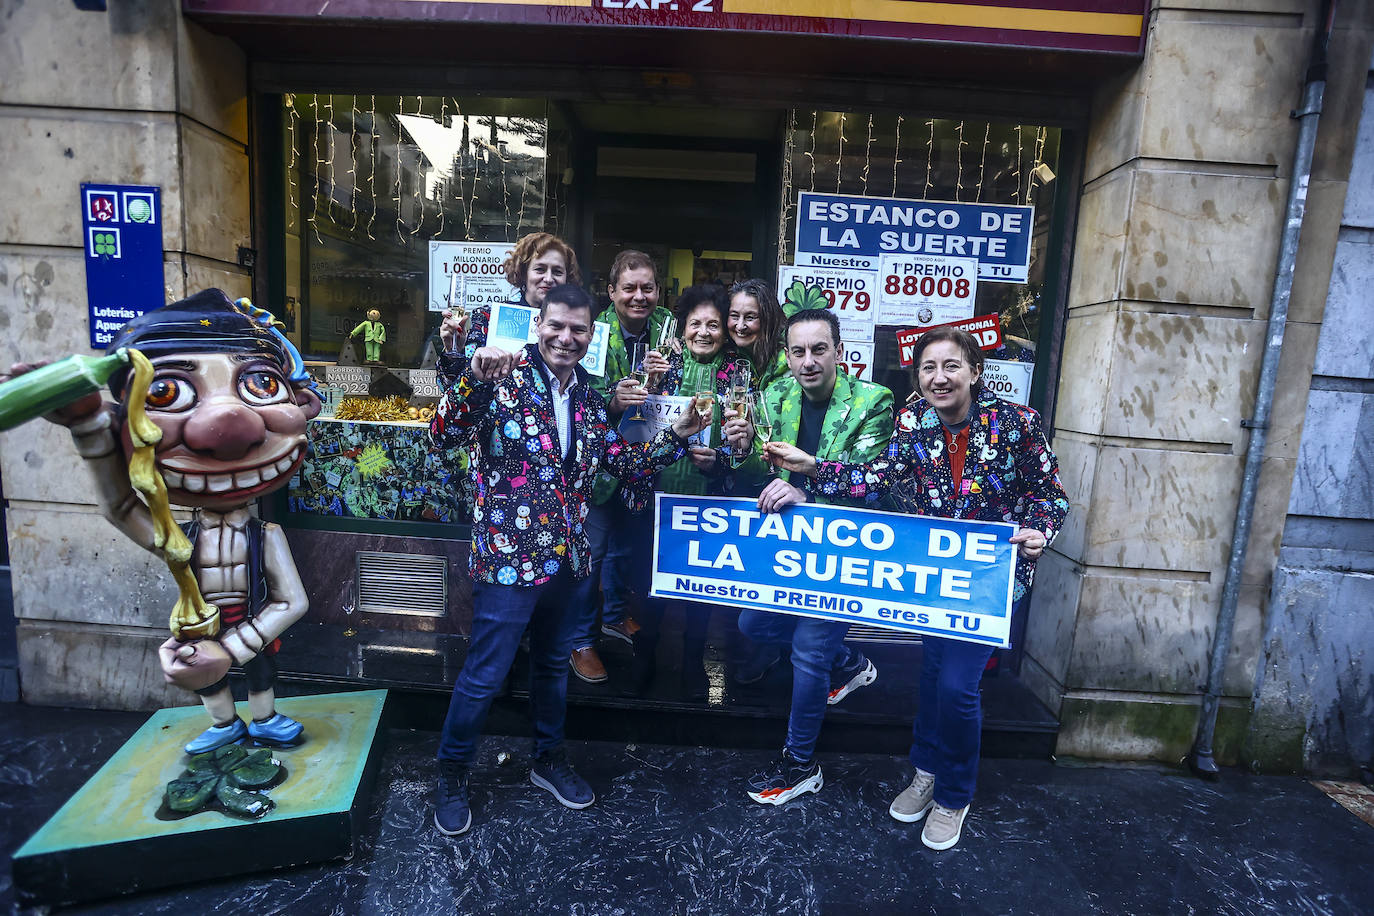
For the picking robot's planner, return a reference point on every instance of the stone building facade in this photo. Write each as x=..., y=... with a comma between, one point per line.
x=1186, y=173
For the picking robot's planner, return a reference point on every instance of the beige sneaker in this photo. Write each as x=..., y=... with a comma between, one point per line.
x=915, y=800
x=944, y=826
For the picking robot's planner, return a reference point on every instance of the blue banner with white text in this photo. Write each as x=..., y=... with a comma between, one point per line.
x=931, y=576
x=856, y=233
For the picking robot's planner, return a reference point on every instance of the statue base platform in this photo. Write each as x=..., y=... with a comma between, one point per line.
x=108, y=840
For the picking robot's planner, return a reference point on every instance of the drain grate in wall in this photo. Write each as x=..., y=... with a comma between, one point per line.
x=402, y=583
x=860, y=633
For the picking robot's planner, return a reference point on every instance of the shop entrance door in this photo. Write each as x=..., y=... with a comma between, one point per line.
x=705, y=208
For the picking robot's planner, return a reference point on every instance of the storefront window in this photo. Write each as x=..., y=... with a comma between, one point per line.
x=372, y=180
x=379, y=192
x=932, y=160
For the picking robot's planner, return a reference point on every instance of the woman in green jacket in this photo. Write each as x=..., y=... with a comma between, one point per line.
x=701, y=366
x=756, y=321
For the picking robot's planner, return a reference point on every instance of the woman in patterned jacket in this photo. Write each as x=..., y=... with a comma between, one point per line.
x=958, y=452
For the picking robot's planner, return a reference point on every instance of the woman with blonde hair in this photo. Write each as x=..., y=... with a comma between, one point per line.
x=538, y=262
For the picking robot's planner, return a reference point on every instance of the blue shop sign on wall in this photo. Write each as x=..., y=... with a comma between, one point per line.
x=122, y=225
x=857, y=233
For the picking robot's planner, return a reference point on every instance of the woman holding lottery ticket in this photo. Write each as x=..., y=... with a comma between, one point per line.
x=698, y=378
x=958, y=451
x=538, y=262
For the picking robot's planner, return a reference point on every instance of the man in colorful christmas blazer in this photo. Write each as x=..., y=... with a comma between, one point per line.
x=541, y=435
x=816, y=407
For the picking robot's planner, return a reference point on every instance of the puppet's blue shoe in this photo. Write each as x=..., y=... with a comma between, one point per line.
x=217, y=736
x=278, y=731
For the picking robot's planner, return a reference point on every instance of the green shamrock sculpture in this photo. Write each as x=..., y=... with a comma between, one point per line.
x=236, y=779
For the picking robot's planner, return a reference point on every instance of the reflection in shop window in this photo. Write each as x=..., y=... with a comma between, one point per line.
x=931, y=159
x=372, y=180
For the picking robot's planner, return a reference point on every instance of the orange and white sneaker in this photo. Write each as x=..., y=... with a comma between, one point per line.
x=785, y=780
x=863, y=674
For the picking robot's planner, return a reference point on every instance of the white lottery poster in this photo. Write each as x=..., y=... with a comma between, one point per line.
x=923, y=290
x=471, y=272
x=851, y=294
x=663, y=410
x=856, y=358
x=1008, y=379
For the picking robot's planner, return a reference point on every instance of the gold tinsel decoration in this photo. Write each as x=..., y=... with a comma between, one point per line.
x=394, y=409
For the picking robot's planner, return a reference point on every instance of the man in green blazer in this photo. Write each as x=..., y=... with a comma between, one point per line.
x=621, y=535
x=817, y=407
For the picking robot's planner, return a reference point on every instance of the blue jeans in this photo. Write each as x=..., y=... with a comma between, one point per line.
x=949, y=717
x=500, y=614
x=817, y=645
x=618, y=552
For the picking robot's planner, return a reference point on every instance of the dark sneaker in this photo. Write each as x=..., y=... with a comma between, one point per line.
x=217, y=736
x=785, y=780
x=643, y=667
x=754, y=668
x=696, y=685
x=624, y=630
x=553, y=772
x=452, y=814
x=861, y=674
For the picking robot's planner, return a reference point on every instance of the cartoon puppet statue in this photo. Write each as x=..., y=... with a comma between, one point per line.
x=211, y=416
x=374, y=335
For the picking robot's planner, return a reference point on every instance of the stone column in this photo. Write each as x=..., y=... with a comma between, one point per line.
x=135, y=95
x=1185, y=182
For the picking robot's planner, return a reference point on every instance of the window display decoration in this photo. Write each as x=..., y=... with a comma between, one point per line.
x=379, y=471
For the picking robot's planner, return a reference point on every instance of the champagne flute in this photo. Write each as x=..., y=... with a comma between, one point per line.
x=740, y=402
x=763, y=426
x=706, y=405
x=741, y=380
x=640, y=376
x=349, y=609
x=637, y=370
x=666, y=333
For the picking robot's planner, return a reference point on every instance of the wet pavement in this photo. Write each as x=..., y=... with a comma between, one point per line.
x=673, y=833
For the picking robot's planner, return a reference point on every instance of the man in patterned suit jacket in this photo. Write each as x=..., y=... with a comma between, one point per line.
x=540, y=435
x=816, y=407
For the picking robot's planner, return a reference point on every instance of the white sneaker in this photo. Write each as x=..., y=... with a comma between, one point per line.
x=865, y=676
x=915, y=800
x=944, y=826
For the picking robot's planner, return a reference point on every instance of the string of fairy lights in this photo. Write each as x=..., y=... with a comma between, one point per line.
x=349, y=160
x=336, y=169
x=1008, y=178
x=784, y=211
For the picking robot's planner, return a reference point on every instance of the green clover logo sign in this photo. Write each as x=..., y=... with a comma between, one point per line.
x=105, y=243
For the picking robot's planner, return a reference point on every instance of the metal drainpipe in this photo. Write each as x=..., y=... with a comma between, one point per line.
x=1200, y=758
